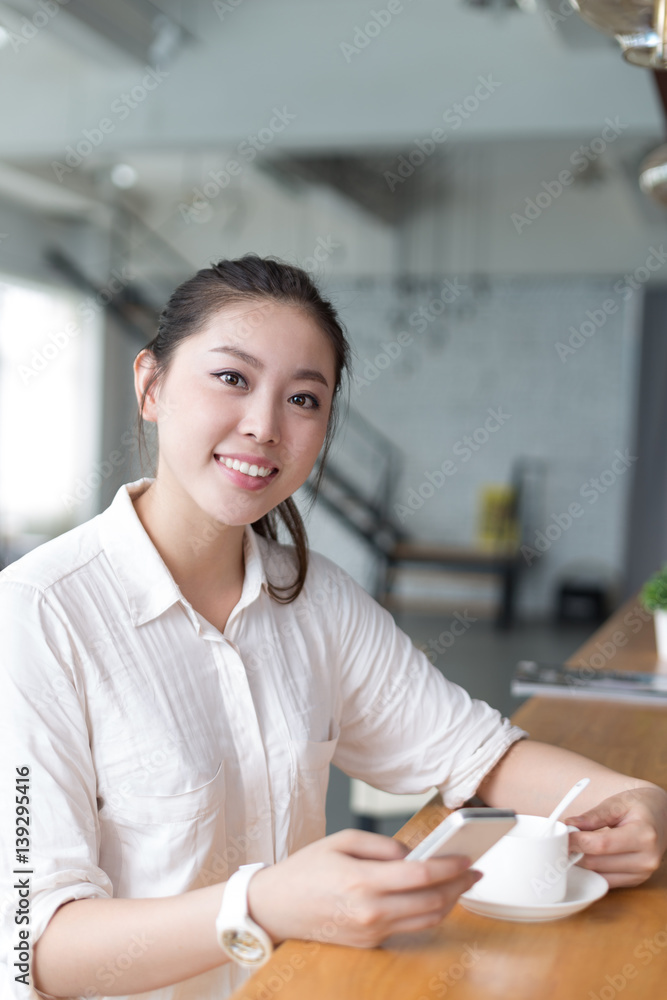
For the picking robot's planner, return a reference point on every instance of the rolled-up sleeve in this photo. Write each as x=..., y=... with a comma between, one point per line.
x=404, y=727
x=43, y=728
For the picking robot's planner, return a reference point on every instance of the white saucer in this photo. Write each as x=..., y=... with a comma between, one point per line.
x=583, y=888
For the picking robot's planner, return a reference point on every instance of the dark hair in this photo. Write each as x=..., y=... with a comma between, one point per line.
x=253, y=278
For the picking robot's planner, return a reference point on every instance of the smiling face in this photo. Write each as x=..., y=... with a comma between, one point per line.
x=242, y=411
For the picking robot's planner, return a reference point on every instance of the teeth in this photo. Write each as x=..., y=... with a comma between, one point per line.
x=245, y=467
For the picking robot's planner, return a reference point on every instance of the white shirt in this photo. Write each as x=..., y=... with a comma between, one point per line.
x=164, y=754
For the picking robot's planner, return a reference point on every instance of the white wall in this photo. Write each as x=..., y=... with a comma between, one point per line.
x=495, y=350
x=464, y=204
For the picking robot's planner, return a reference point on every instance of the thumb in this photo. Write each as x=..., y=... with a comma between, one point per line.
x=363, y=844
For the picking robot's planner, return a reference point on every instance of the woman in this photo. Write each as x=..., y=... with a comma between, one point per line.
x=178, y=682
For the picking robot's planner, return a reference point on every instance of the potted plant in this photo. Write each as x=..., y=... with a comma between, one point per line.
x=653, y=596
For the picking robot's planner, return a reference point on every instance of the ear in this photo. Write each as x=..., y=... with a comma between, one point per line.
x=144, y=366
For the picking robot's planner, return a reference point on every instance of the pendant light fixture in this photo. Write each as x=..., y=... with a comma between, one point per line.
x=653, y=175
x=639, y=26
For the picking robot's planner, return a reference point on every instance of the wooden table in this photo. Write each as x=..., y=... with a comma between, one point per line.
x=617, y=945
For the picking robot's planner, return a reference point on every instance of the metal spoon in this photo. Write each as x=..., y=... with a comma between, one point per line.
x=563, y=804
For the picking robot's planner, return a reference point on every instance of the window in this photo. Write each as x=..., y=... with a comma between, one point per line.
x=50, y=409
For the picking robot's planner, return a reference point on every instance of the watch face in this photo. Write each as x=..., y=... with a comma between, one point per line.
x=247, y=948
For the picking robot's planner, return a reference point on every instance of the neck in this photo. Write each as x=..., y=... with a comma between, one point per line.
x=196, y=549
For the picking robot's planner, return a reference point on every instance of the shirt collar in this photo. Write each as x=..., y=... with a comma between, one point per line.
x=149, y=586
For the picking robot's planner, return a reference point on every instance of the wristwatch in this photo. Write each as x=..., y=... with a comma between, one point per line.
x=238, y=935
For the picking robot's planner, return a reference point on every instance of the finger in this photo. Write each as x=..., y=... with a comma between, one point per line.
x=437, y=895
x=437, y=900
x=607, y=813
x=421, y=922
x=629, y=863
x=619, y=840
x=623, y=880
x=400, y=876
x=363, y=844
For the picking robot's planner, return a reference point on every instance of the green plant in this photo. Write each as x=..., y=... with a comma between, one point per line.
x=653, y=594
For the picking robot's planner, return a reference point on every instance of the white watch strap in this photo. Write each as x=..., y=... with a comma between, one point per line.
x=235, y=898
x=238, y=935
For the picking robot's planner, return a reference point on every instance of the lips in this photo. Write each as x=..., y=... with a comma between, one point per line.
x=261, y=468
x=249, y=475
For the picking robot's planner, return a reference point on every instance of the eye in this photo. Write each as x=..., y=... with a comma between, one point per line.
x=230, y=378
x=305, y=401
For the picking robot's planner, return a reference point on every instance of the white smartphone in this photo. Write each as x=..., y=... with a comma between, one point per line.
x=466, y=831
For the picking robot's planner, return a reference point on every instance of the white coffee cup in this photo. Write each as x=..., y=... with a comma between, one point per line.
x=525, y=868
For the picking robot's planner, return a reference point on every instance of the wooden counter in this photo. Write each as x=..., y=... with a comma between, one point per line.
x=617, y=945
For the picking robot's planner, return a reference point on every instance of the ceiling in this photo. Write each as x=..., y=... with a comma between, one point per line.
x=245, y=58
x=311, y=79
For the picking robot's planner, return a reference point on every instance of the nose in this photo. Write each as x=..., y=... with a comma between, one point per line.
x=260, y=419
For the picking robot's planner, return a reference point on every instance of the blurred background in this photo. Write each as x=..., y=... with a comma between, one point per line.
x=462, y=179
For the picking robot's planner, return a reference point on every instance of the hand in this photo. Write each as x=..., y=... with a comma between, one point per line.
x=357, y=883
x=625, y=835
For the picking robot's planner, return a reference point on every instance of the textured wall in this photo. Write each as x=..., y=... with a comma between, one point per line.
x=494, y=349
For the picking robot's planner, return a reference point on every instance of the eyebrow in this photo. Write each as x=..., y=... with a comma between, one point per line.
x=302, y=373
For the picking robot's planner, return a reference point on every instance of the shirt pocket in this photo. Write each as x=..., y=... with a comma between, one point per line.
x=309, y=781
x=156, y=845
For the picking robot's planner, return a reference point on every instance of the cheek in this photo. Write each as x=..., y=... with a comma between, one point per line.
x=188, y=434
x=304, y=447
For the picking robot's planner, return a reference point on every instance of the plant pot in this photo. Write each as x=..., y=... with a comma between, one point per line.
x=660, y=618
